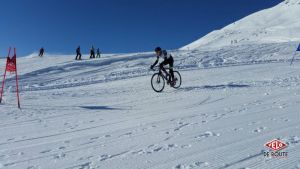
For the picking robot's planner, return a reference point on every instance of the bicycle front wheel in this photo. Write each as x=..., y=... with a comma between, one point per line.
x=157, y=82
x=177, y=80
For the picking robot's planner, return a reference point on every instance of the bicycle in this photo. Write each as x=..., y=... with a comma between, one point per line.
x=159, y=79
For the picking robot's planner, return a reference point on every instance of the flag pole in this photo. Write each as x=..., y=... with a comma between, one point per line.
x=4, y=77
x=293, y=59
x=17, y=83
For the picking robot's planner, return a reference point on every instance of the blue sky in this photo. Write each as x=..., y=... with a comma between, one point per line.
x=115, y=26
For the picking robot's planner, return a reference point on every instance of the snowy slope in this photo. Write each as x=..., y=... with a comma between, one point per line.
x=278, y=24
x=63, y=72
x=103, y=113
x=238, y=92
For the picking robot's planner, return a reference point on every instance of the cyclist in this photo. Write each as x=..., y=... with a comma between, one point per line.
x=168, y=60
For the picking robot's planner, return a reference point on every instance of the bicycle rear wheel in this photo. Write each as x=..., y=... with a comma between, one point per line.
x=157, y=82
x=178, y=80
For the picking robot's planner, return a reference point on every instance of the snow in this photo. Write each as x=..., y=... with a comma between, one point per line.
x=274, y=25
x=103, y=113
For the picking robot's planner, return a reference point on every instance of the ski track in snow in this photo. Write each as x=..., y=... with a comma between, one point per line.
x=104, y=114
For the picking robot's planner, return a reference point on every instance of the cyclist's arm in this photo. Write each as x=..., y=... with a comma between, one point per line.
x=155, y=62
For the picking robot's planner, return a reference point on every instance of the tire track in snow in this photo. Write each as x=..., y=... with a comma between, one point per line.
x=242, y=160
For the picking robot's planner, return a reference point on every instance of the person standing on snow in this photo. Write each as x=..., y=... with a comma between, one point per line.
x=78, y=54
x=168, y=60
x=92, y=51
x=98, y=53
x=42, y=50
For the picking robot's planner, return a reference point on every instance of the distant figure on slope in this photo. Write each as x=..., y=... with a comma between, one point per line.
x=78, y=54
x=92, y=51
x=168, y=60
x=42, y=50
x=98, y=53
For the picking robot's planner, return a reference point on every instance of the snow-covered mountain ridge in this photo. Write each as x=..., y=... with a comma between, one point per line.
x=274, y=25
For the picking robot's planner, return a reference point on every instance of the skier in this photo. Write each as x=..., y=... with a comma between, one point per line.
x=92, y=51
x=168, y=60
x=42, y=50
x=98, y=53
x=78, y=54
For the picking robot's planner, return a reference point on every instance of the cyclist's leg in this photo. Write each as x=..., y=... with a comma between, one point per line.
x=171, y=63
x=161, y=66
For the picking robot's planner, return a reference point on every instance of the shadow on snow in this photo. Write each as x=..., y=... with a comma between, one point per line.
x=214, y=87
x=99, y=108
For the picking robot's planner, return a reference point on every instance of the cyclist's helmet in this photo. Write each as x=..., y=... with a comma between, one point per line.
x=157, y=49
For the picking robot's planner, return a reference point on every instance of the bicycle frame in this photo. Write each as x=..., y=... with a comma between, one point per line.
x=164, y=74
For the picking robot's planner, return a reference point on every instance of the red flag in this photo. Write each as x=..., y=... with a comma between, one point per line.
x=11, y=64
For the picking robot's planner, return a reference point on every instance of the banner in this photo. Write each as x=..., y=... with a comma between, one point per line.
x=11, y=66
